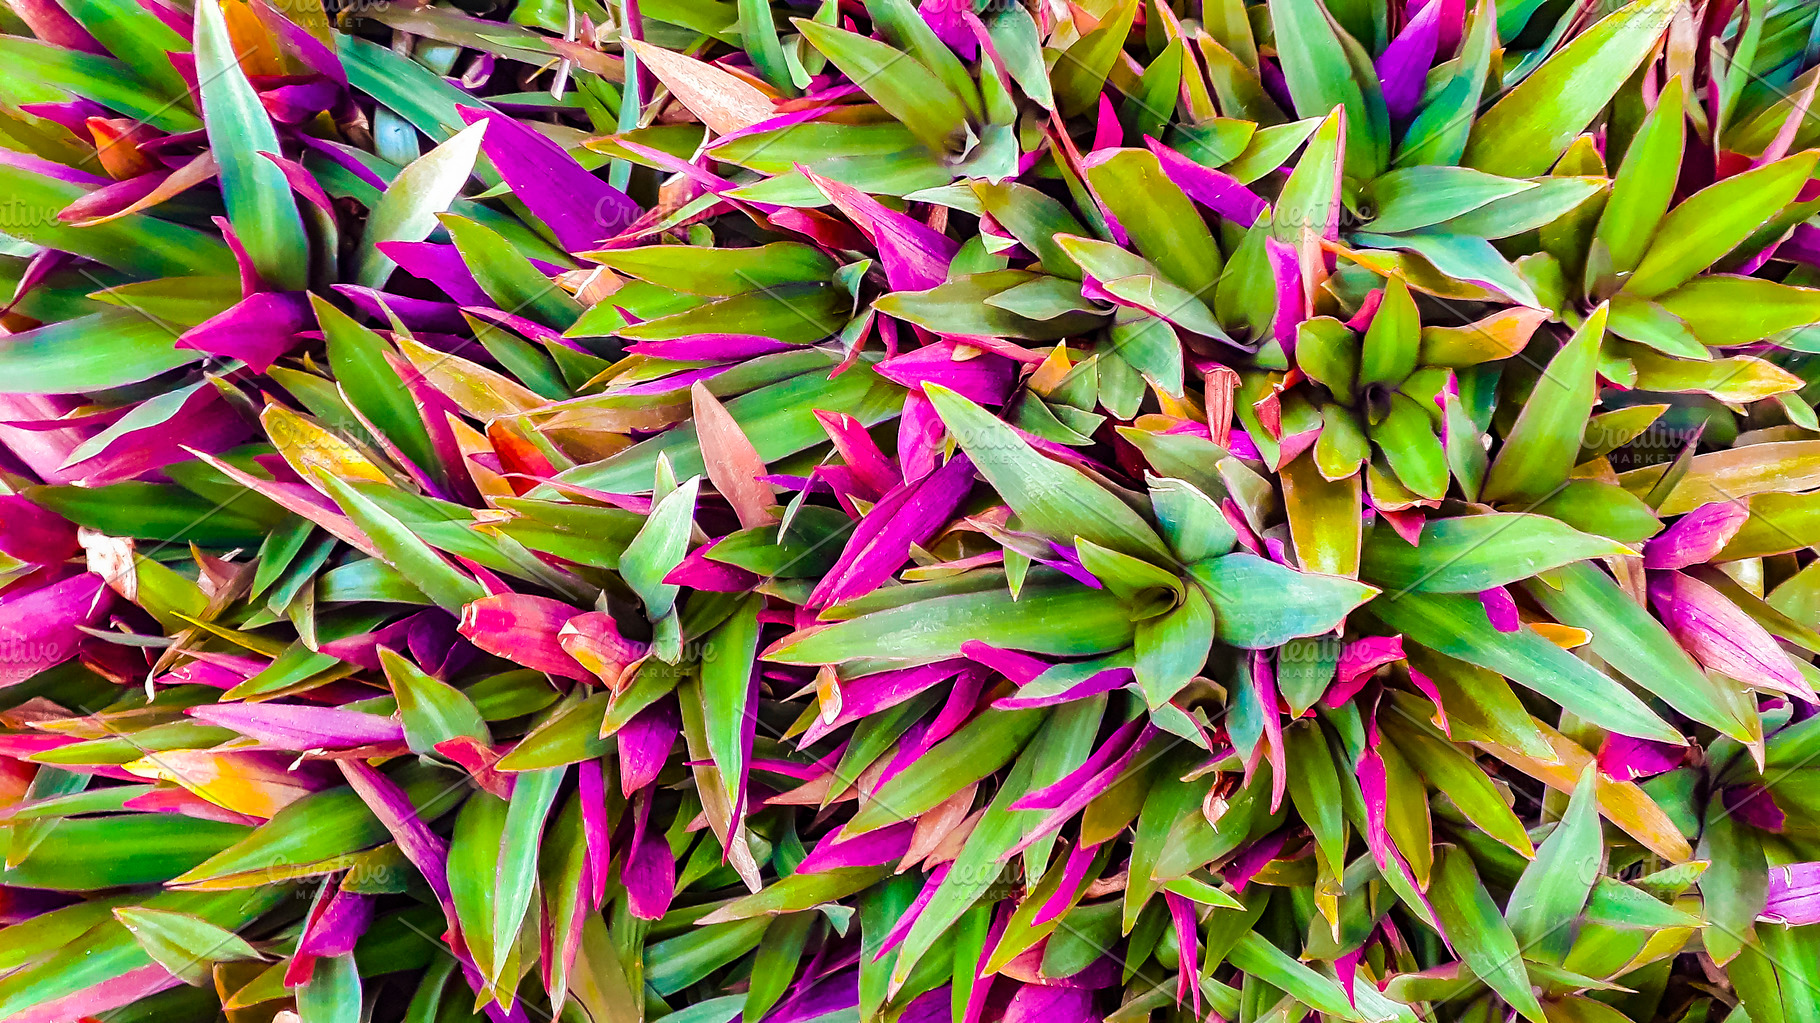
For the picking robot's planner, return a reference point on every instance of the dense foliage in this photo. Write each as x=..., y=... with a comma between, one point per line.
x=846, y=511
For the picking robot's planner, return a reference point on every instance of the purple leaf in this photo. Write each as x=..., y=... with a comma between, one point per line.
x=1076, y=798
x=578, y=207
x=1696, y=537
x=523, y=628
x=256, y=330
x=1501, y=608
x=31, y=533
x=1073, y=873
x=711, y=347
x=1218, y=191
x=871, y=849
x=1722, y=637
x=1181, y=912
x=700, y=571
x=441, y=265
x=204, y=422
x=985, y=379
x=645, y=743
x=335, y=923
x=1286, y=268
x=1753, y=805
x=1403, y=66
x=915, y=256
x=947, y=20
x=596, y=829
x=650, y=870
x=1039, y=1003
x=297, y=726
x=39, y=628
x=424, y=848
x=908, y=515
x=1794, y=894
x=1627, y=758
x=869, y=694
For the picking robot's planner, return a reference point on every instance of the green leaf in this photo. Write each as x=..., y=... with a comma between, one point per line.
x=110, y=348
x=1034, y=219
x=930, y=630
x=961, y=306
x=1478, y=931
x=1471, y=553
x=728, y=694
x=1724, y=310
x=1310, y=198
x=1255, y=956
x=901, y=25
x=1393, y=340
x=797, y=893
x=1161, y=221
x=85, y=854
x=1645, y=183
x=258, y=198
x=896, y=81
x=1406, y=436
x=1713, y=221
x=48, y=783
x=1415, y=197
x=332, y=994
x=418, y=94
x=1554, y=887
x=1549, y=203
x=758, y=34
x=1616, y=904
x=102, y=79
x=433, y=711
x=659, y=547
x=775, y=965
x=1648, y=323
x=318, y=827
x=1438, y=135
x=1629, y=639
x=1258, y=604
x=1539, y=451
x=689, y=958
x=515, y=879
x=508, y=278
x=571, y=734
x=1172, y=649
x=407, y=211
x=1456, y=625
x=101, y=949
x=1322, y=66
x=371, y=385
x=1314, y=789
x=1454, y=773
x=1533, y=124
x=1078, y=75
x=722, y=272
x=447, y=585
x=473, y=875
x=138, y=243
x=1047, y=496
x=1328, y=353
x=182, y=943
x=1193, y=524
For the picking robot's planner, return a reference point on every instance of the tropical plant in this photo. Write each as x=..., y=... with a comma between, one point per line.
x=706, y=509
